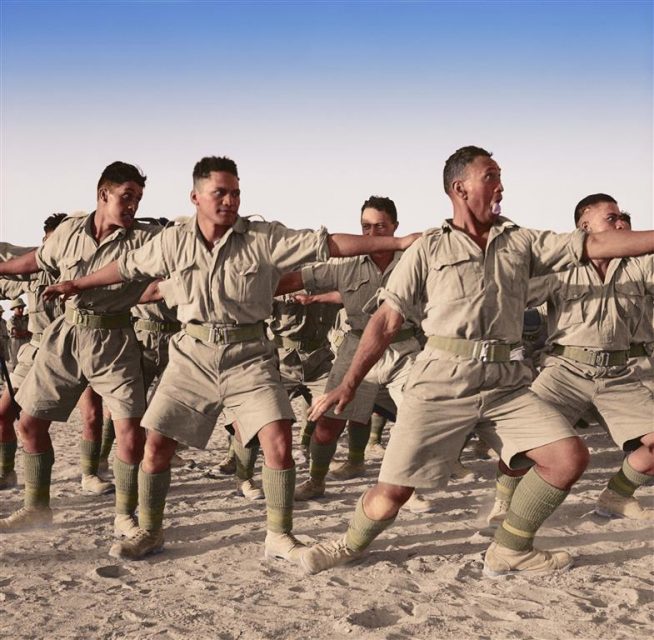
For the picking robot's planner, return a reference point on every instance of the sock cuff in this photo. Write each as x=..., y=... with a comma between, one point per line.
x=635, y=477
x=363, y=530
x=278, y=485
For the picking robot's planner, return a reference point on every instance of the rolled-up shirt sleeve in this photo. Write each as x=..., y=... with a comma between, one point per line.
x=291, y=248
x=555, y=251
x=148, y=261
x=404, y=291
x=321, y=277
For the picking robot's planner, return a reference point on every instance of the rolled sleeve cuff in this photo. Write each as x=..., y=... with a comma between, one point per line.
x=389, y=298
x=576, y=246
x=322, y=250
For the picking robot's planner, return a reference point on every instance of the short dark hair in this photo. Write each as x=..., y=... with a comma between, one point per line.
x=121, y=172
x=381, y=204
x=208, y=164
x=53, y=221
x=455, y=165
x=591, y=201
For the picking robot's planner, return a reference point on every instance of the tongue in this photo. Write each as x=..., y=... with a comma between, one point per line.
x=496, y=210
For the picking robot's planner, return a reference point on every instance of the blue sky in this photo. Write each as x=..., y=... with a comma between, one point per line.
x=325, y=103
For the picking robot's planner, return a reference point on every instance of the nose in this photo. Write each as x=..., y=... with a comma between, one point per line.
x=500, y=187
x=620, y=224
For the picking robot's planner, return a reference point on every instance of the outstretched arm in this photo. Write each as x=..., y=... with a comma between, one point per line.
x=332, y=297
x=289, y=282
x=21, y=265
x=342, y=245
x=618, y=244
x=379, y=332
x=109, y=274
x=151, y=293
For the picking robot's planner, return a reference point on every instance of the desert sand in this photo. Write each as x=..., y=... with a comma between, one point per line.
x=421, y=579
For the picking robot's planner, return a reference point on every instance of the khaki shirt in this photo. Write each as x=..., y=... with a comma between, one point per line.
x=17, y=326
x=296, y=321
x=234, y=282
x=645, y=330
x=8, y=251
x=473, y=294
x=357, y=279
x=157, y=311
x=41, y=313
x=584, y=311
x=71, y=252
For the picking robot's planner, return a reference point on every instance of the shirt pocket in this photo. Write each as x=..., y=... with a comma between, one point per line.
x=454, y=278
x=71, y=267
x=630, y=301
x=178, y=289
x=246, y=281
x=573, y=308
x=357, y=292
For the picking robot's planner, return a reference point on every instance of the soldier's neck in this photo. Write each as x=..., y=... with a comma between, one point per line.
x=601, y=266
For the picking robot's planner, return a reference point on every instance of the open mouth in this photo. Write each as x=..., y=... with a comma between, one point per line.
x=496, y=208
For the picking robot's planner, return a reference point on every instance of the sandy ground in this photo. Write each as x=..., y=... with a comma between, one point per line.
x=422, y=578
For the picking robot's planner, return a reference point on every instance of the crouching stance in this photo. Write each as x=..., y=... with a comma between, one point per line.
x=471, y=275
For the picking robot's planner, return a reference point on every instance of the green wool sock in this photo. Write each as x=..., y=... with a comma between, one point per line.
x=245, y=458
x=505, y=486
x=533, y=502
x=362, y=530
x=279, y=489
x=321, y=457
x=108, y=437
x=126, y=481
x=307, y=432
x=153, y=489
x=377, y=424
x=38, y=471
x=358, y=435
x=89, y=460
x=627, y=480
x=7, y=457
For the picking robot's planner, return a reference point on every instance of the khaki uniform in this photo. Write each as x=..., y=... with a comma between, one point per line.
x=301, y=334
x=73, y=354
x=8, y=251
x=18, y=336
x=155, y=323
x=598, y=318
x=223, y=296
x=41, y=314
x=4, y=340
x=357, y=280
x=471, y=295
x=643, y=339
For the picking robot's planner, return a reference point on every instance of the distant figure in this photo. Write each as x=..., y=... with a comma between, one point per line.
x=18, y=331
x=4, y=336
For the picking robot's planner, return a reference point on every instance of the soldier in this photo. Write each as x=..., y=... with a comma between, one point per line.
x=92, y=344
x=300, y=333
x=154, y=325
x=19, y=333
x=356, y=280
x=593, y=313
x=222, y=271
x=4, y=337
x=472, y=276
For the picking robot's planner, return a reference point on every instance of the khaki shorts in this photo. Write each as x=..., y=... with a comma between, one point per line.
x=645, y=369
x=301, y=369
x=446, y=398
x=26, y=357
x=70, y=358
x=203, y=379
x=390, y=371
x=154, y=354
x=624, y=403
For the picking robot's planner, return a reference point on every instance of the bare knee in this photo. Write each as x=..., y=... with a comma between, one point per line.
x=328, y=429
x=561, y=463
x=159, y=450
x=276, y=439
